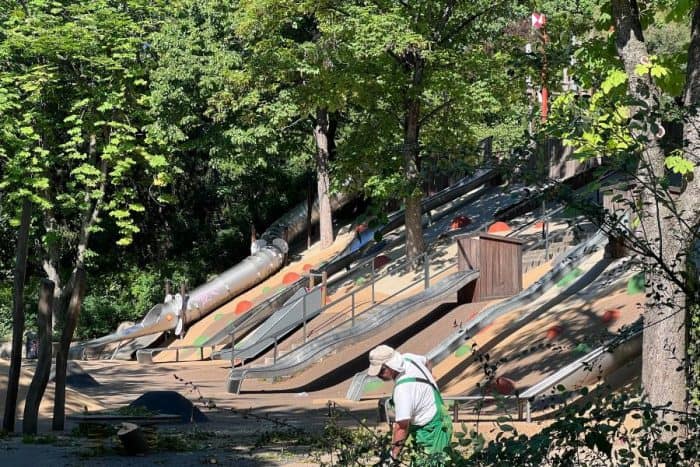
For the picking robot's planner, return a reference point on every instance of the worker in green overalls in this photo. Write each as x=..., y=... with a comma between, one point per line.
x=420, y=411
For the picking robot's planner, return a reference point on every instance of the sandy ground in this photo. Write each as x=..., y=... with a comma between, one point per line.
x=75, y=401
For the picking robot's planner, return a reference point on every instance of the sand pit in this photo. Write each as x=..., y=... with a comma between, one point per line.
x=75, y=401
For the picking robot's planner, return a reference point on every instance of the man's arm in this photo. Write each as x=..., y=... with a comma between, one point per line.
x=398, y=437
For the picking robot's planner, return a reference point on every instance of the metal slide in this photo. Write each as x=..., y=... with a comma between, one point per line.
x=267, y=257
x=488, y=199
x=258, y=314
x=563, y=267
x=371, y=323
x=243, y=323
x=302, y=306
x=587, y=370
x=396, y=219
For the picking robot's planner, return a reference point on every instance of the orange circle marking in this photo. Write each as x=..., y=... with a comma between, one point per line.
x=290, y=278
x=243, y=306
x=498, y=227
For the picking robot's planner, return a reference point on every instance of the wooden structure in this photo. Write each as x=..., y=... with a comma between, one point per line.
x=553, y=160
x=499, y=261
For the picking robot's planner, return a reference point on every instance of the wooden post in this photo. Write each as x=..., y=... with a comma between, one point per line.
x=324, y=290
x=8, y=422
x=76, y=300
x=43, y=364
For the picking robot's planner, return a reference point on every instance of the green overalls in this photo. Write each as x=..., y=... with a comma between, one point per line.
x=434, y=437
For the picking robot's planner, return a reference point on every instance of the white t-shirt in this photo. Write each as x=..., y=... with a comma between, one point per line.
x=415, y=401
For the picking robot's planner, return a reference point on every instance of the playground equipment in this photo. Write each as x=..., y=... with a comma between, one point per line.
x=268, y=254
x=463, y=192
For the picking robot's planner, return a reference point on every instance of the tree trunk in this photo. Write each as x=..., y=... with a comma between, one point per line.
x=688, y=200
x=664, y=347
x=43, y=364
x=8, y=422
x=324, y=138
x=59, y=412
x=414, y=228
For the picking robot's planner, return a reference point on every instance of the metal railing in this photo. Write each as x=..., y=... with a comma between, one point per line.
x=308, y=353
x=458, y=403
x=425, y=278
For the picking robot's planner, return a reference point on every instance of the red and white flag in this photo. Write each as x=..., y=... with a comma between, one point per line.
x=538, y=20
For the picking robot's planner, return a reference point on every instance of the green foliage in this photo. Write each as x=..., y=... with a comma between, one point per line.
x=5, y=309
x=73, y=76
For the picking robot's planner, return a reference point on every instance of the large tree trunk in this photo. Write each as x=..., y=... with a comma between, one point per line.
x=43, y=365
x=689, y=199
x=411, y=153
x=8, y=422
x=664, y=347
x=323, y=134
x=59, y=412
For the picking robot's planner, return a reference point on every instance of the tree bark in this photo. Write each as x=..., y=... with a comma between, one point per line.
x=324, y=138
x=411, y=153
x=8, y=422
x=664, y=348
x=43, y=364
x=688, y=200
x=59, y=412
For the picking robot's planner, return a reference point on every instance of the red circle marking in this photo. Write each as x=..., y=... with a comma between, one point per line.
x=610, y=316
x=498, y=227
x=290, y=278
x=243, y=306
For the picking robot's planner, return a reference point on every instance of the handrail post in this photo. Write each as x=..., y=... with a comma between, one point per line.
x=233, y=347
x=546, y=239
x=274, y=354
x=201, y=352
x=177, y=354
x=303, y=314
x=520, y=407
x=529, y=411
x=426, y=269
x=352, y=307
x=324, y=290
x=373, y=279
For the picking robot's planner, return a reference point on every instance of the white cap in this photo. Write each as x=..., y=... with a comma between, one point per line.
x=384, y=355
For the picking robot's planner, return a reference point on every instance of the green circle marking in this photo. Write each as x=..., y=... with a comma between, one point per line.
x=569, y=278
x=200, y=340
x=465, y=349
x=636, y=284
x=218, y=316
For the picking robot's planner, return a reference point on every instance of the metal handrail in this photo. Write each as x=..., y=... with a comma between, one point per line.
x=258, y=306
x=385, y=402
x=308, y=353
x=375, y=304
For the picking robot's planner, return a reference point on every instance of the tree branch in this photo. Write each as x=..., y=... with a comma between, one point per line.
x=437, y=109
x=467, y=21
